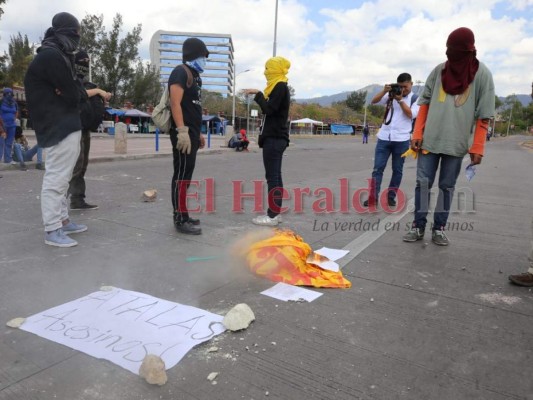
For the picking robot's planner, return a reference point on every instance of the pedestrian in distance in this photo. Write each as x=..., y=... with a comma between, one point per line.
x=185, y=85
x=365, y=134
x=53, y=94
x=393, y=136
x=458, y=97
x=92, y=108
x=8, y=113
x=274, y=102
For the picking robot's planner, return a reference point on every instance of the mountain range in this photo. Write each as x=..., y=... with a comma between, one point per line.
x=371, y=90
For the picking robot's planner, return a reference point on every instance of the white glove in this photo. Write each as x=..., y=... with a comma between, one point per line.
x=184, y=140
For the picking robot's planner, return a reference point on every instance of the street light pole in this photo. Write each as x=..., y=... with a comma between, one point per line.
x=248, y=114
x=510, y=116
x=235, y=94
x=275, y=29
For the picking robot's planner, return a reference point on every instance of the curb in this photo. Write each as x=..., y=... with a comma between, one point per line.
x=125, y=157
x=120, y=157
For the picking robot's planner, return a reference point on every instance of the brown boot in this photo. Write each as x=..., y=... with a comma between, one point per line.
x=525, y=279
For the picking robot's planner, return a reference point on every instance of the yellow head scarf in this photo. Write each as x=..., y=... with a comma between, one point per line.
x=276, y=69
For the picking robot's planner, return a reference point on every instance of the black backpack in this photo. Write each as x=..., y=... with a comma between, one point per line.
x=92, y=110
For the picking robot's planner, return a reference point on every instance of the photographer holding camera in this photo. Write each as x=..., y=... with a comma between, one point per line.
x=393, y=136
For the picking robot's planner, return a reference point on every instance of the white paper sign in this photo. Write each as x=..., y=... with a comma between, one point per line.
x=124, y=326
x=286, y=292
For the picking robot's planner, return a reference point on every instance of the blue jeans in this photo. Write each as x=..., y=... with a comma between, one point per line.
x=28, y=154
x=385, y=149
x=426, y=170
x=273, y=149
x=6, y=145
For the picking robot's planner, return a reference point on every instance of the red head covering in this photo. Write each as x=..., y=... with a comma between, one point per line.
x=462, y=65
x=243, y=132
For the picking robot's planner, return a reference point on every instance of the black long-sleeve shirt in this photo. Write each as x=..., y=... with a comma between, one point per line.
x=54, y=116
x=276, y=111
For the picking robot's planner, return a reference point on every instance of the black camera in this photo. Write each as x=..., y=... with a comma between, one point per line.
x=395, y=89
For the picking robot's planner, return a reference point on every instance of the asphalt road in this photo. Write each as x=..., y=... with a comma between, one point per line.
x=420, y=321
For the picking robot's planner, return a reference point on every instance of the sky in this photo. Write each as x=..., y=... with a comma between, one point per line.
x=334, y=46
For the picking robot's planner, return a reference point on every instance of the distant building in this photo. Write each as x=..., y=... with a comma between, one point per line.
x=165, y=54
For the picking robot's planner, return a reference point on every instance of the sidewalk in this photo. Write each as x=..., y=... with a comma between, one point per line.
x=139, y=146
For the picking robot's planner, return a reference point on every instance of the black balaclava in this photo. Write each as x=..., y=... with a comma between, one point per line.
x=64, y=36
x=82, y=64
x=194, y=48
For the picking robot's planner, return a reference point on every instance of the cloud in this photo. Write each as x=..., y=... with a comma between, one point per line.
x=333, y=46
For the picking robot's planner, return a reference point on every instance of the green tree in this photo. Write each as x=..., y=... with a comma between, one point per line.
x=20, y=56
x=145, y=88
x=376, y=111
x=3, y=70
x=92, y=31
x=1, y=9
x=498, y=102
x=356, y=100
x=113, y=60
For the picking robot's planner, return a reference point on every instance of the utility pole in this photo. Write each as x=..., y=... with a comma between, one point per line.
x=275, y=29
x=510, y=115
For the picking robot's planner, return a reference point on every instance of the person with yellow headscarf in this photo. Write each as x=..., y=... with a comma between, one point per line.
x=274, y=136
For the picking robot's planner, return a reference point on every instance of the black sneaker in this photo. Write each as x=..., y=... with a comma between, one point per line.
x=23, y=167
x=194, y=221
x=82, y=206
x=39, y=166
x=391, y=202
x=366, y=203
x=187, y=228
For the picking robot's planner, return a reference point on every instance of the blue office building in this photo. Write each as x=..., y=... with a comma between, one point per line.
x=165, y=54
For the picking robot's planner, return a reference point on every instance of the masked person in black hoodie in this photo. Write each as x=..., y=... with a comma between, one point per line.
x=274, y=137
x=53, y=95
x=92, y=109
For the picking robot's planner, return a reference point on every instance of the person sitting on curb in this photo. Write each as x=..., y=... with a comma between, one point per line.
x=23, y=153
x=239, y=141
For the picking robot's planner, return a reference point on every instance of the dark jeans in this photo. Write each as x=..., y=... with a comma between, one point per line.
x=183, y=169
x=365, y=139
x=273, y=149
x=385, y=149
x=240, y=145
x=77, y=182
x=426, y=170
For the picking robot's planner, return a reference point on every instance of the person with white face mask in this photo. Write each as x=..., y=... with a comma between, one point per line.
x=185, y=85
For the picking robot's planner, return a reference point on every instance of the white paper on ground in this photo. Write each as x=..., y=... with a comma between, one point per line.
x=332, y=254
x=286, y=292
x=123, y=326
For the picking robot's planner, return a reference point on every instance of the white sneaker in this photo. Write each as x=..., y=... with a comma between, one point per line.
x=265, y=220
